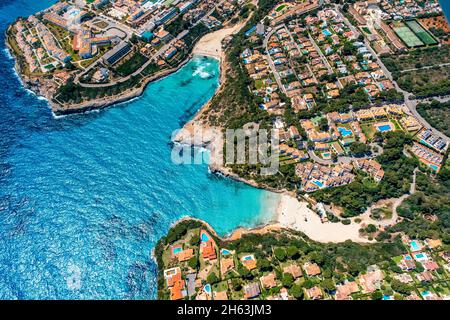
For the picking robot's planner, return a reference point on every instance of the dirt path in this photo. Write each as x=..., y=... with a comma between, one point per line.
x=396, y=202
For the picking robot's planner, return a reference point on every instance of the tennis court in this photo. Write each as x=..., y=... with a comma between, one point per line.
x=407, y=36
x=423, y=35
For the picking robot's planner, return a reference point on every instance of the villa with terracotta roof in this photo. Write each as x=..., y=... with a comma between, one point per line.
x=371, y=281
x=293, y=270
x=184, y=255
x=314, y=293
x=226, y=264
x=175, y=283
x=249, y=262
x=311, y=269
x=433, y=243
x=343, y=291
x=268, y=281
x=207, y=247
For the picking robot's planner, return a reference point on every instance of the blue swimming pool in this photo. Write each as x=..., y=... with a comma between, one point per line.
x=426, y=294
x=177, y=250
x=414, y=245
x=326, y=32
x=384, y=128
x=420, y=256
x=434, y=167
x=318, y=183
x=225, y=252
x=345, y=132
x=205, y=237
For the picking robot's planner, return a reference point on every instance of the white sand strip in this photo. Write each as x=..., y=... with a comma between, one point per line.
x=296, y=215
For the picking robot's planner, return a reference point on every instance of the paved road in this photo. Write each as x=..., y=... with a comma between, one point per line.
x=425, y=67
x=367, y=219
x=269, y=58
x=324, y=59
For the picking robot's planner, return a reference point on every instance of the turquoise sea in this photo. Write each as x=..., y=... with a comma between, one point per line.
x=83, y=199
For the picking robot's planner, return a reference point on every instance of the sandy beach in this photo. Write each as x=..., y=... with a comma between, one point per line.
x=294, y=214
x=211, y=44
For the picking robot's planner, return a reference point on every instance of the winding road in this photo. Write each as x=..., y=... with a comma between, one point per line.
x=367, y=219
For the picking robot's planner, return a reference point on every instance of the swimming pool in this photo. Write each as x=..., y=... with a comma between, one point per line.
x=345, y=132
x=326, y=155
x=326, y=32
x=73, y=12
x=384, y=128
x=318, y=183
x=420, y=256
x=434, y=167
x=176, y=250
x=414, y=245
x=204, y=237
x=225, y=252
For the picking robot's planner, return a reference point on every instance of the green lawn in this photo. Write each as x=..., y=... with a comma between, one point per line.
x=131, y=65
x=259, y=84
x=366, y=30
x=278, y=9
x=368, y=130
x=221, y=286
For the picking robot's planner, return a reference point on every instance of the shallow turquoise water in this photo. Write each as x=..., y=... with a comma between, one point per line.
x=84, y=199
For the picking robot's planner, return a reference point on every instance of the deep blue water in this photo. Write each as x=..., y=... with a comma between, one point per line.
x=445, y=4
x=83, y=199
